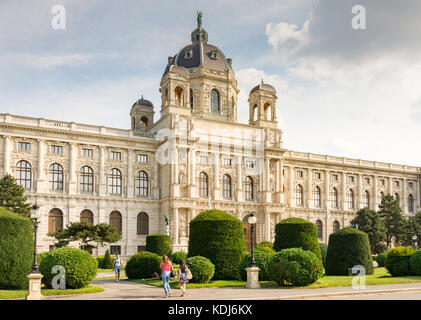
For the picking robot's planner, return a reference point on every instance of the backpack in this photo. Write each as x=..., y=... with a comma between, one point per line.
x=188, y=275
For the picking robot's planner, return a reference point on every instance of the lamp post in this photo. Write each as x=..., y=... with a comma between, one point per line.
x=35, y=276
x=253, y=270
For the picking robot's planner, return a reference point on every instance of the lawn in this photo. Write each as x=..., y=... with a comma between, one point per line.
x=380, y=276
x=19, y=294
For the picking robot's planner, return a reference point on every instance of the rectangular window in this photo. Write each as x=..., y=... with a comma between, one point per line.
x=396, y=183
x=56, y=149
x=115, y=155
x=24, y=146
x=203, y=159
x=410, y=185
x=87, y=153
x=249, y=164
x=115, y=250
x=367, y=180
x=226, y=162
x=382, y=182
x=142, y=158
x=317, y=175
x=351, y=179
x=334, y=177
x=299, y=174
x=141, y=248
x=51, y=247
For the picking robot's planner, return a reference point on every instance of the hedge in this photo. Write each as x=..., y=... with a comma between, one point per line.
x=218, y=236
x=295, y=267
x=202, y=269
x=159, y=243
x=176, y=257
x=262, y=258
x=380, y=259
x=107, y=261
x=296, y=233
x=398, y=261
x=143, y=265
x=415, y=262
x=323, y=252
x=347, y=248
x=80, y=267
x=16, y=250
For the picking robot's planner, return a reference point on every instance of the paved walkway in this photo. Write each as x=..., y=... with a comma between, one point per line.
x=128, y=290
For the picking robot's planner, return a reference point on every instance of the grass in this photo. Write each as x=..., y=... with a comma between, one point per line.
x=21, y=294
x=380, y=276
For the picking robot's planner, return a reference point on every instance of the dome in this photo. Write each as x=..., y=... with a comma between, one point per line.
x=142, y=102
x=263, y=86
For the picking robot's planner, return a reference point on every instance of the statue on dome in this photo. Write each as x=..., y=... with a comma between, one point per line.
x=199, y=18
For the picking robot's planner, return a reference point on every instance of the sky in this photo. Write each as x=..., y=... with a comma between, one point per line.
x=341, y=91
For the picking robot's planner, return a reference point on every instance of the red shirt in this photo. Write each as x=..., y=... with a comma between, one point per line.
x=166, y=267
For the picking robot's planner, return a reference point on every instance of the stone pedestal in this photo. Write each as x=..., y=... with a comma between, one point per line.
x=34, y=287
x=253, y=278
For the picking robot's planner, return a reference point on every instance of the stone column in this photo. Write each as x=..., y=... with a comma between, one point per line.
x=102, y=175
x=175, y=227
x=130, y=180
x=72, y=169
x=404, y=196
x=281, y=181
x=192, y=172
x=40, y=185
x=390, y=186
x=327, y=190
x=291, y=185
x=155, y=191
x=309, y=186
x=343, y=200
x=417, y=202
x=360, y=191
x=266, y=182
x=239, y=189
x=216, y=188
x=375, y=202
x=267, y=222
x=7, y=151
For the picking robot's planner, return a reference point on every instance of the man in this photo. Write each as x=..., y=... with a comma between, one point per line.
x=118, y=263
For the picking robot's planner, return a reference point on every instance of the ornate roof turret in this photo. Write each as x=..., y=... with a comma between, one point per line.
x=199, y=34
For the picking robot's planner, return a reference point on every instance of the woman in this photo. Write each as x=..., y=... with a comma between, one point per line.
x=182, y=277
x=166, y=267
x=118, y=263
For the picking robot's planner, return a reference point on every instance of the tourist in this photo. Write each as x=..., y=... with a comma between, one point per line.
x=166, y=267
x=118, y=263
x=184, y=275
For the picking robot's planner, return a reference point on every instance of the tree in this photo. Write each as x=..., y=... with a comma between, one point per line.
x=391, y=214
x=369, y=221
x=12, y=196
x=86, y=232
x=413, y=228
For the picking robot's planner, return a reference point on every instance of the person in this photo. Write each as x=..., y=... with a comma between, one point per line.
x=182, y=277
x=118, y=263
x=166, y=267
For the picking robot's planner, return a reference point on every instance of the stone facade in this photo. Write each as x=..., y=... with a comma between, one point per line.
x=195, y=157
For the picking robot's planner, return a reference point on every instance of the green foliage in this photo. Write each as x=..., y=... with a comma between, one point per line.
x=40, y=256
x=262, y=258
x=80, y=267
x=380, y=259
x=391, y=214
x=12, y=196
x=159, y=243
x=398, y=261
x=143, y=265
x=100, y=260
x=201, y=268
x=218, y=236
x=323, y=252
x=347, y=248
x=296, y=233
x=85, y=233
x=295, y=267
x=107, y=261
x=370, y=222
x=176, y=257
x=415, y=262
x=265, y=246
x=413, y=227
x=16, y=250
x=265, y=249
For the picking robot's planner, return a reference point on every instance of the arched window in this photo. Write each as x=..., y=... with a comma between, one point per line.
x=142, y=224
x=255, y=112
x=248, y=188
x=191, y=99
x=411, y=203
x=87, y=216
x=397, y=198
x=299, y=195
x=142, y=183
x=179, y=96
x=226, y=186
x=144, y=123
x=336, y=226
x=86, y=179
x=116, y=220
x=319, y=226
x=114, y=181
x=267, y=111
x=23, y=174
x=56, y=177
x=381, y=197
x=203, y=185
x=334, y=198
x=317, y=197
x=215, y=104
x=366, y=200
x=55, y=220
x=351, y=199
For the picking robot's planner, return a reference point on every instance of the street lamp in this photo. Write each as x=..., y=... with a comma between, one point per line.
x=253, y=270
x=252, y=221
x=34, y=292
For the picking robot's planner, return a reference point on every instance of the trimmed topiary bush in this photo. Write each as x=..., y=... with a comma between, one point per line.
x=202, y=269
x=265, y=244
x=347, y=248
x=295, y=267
x=40, y=256
x=107, y=261
x=265, y=249
x=262, y=258
x=218, y=236
x=323, y=252
x=16, y=250
x=176, y=257
x=100, y=260
x=79, y=265
x=415, y=262
x=159, y=243
x=296, y=233
x=143, y=265
x=398, y=261
x=380, y=259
